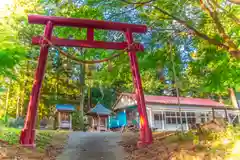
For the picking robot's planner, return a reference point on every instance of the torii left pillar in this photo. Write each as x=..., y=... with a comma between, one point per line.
x=27, y=136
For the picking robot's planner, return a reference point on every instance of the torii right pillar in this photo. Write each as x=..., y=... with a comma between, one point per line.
x=145, y=131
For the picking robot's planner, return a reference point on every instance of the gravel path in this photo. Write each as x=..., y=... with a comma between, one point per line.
x=93, y=146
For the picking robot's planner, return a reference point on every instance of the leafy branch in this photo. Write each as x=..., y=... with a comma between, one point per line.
x=211, y=10
x=234, y=1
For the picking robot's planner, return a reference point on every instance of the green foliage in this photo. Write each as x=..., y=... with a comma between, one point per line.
x=59, y=86
x=15, y=123
x=11, y=52
x=211, y=71
x=182, y=29
x=2, y=122
x=78, y=123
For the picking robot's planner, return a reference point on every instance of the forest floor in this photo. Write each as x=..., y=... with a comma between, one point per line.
x=161, y=149
x=222, y=143
x=49, y=145
x=182, y=146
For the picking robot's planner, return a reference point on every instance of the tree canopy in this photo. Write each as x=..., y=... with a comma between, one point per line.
x=199, y=39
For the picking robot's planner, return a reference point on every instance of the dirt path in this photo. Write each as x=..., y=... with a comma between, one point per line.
x=93, y=146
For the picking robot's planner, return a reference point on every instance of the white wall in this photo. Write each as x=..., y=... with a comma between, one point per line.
x=154, y=108
x=158, y=108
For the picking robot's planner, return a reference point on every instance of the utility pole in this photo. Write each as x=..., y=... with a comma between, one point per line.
x=177, y=87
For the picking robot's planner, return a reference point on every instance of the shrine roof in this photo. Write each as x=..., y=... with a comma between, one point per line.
x=65, y=107
x=99, y=109
x=167, y=100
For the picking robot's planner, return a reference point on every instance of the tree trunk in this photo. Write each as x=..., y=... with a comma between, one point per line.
x=89, y=98
x=6, y=105
x=82, y=87
x=17, y=107
x=21, y=104
x=233, y=98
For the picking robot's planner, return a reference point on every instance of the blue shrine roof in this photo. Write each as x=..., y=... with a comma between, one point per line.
x=65, y=107
x=100, y=110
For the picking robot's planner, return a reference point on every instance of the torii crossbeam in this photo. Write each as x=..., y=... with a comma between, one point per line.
x=27, y=137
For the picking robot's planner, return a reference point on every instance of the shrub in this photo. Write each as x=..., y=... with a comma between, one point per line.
x=78, y=122
x=15, y=123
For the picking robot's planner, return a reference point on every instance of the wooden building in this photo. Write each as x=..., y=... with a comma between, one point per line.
x=164, y=113
x=99, y=117
x=64, y=116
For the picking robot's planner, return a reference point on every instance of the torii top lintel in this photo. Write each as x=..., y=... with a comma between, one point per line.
x=86, y=23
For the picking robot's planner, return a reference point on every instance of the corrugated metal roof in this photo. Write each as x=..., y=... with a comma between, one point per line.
x=65, y=107
x=100, y=110
x=174, y=100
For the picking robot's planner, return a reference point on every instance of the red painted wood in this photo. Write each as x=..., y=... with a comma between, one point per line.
x=90, y=34
x=89, y=44
x=145, y=131
x=27, y=137
x=86, y=23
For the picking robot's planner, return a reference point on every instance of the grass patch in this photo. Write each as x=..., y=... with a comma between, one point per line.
x=49, y=144
x=180, y=137
x=43, y=137
x=10, y=135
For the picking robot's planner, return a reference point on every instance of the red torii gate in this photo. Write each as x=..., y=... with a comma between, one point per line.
x=27, y=136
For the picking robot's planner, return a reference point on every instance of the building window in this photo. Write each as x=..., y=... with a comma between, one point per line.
x=191, y=118
x=179, y=117
x=171, y=118
x=205, y=117
x=175, y=118
x=158, y=118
